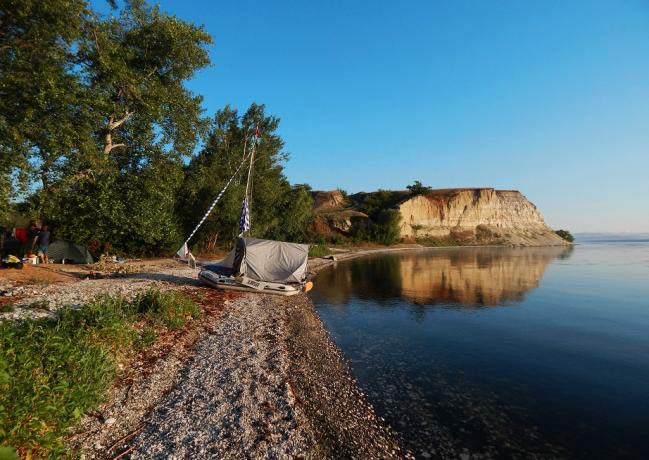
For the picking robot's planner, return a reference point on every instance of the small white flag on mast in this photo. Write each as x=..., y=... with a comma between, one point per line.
x=183, y=252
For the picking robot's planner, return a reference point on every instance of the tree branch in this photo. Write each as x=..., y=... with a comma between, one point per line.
x=112, y=124
x=116, y=124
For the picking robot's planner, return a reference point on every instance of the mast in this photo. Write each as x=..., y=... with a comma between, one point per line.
x=245, y=220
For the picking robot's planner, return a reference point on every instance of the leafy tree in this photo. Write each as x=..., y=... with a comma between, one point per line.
x=277, y=210
x=372, y=203
x=95, y=113
x=5, y=196
x=382, y=228
x=388, y=231
x=566, y=235
x=296, y=215
x=133, y=210
x=136, y=64
x=417, y=188
x=383, y=223
x=42, y=115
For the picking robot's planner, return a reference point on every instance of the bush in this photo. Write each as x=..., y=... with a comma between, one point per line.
x=318, y=250
x=169, y=309
x=383, y=228
x=417, y=188
x=566, y=235
x=53, y=370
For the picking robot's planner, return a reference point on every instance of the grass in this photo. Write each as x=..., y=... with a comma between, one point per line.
x=318, y=250
x=6, y=308
x=54, y=370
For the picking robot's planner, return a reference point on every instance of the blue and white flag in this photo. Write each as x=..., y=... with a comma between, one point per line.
x=244, y=222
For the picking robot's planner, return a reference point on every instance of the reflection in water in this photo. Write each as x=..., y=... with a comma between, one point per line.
x=562, y=375
x=467, y=276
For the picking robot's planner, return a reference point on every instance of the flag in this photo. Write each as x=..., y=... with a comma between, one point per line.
x=244, y=222
x=183, y=251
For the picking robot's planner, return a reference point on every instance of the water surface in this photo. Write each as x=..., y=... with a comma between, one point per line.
x=500, y=352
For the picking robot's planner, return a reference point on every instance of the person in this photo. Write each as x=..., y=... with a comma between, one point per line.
x=32, y=234
x=43, y=244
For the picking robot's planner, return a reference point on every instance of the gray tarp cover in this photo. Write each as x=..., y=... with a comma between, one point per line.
x=267, y=260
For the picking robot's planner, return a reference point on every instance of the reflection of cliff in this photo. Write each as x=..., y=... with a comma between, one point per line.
x=467, y=276
x=474, y=276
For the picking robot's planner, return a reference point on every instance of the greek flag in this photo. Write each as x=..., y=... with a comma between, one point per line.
x=244, y=222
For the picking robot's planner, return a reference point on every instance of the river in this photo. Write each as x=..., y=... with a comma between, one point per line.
x=500, y=352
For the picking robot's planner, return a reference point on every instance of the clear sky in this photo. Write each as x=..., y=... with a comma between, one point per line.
x=547, y=97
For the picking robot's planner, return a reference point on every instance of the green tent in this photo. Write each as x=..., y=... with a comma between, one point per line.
x=70, y=252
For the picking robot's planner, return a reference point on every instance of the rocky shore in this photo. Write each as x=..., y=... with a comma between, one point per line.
x=257, y=377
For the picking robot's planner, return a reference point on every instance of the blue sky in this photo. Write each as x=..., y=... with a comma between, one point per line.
x=549, y=98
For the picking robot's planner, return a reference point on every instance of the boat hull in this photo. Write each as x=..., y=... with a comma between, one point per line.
x=232, y=284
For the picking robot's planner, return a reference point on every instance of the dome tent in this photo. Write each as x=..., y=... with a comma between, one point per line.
x=70, y=252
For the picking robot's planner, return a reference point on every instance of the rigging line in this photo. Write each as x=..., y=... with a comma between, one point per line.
x=253, y=150
x=216, y=200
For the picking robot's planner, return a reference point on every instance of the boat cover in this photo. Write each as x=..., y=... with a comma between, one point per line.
x=266, y=260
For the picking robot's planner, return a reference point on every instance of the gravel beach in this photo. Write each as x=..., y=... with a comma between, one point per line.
x=256, y=377
x=265, y=383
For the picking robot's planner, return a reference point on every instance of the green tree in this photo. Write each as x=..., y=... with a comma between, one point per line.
x=296, y=215
x=42, y=113
x=136, y=64
x=382, y=227
x=566, y=235
x=94, y=111
x=277, y=210
x=383, y=223
x=131, y=210
x=417, y=188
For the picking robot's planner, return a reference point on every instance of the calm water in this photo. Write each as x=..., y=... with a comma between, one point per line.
x=500, y=352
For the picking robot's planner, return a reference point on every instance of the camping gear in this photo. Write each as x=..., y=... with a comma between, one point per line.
x=12, y=262
x=254, y=265
x=63, y=251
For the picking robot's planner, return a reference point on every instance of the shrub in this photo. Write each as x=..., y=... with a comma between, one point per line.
x=383, y=228
x=318, y=250
x=167, y=308
x=566, y=235
x=53, y=370
x=417, y=188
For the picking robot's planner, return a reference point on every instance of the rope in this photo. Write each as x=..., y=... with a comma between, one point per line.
x=216, y=200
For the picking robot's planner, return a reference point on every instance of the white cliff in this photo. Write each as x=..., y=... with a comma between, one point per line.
x=475, y=215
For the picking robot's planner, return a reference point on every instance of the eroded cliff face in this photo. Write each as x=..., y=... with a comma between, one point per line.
x=475, y=216
x=333, y=214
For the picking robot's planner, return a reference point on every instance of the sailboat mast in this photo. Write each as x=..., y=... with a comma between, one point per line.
x=248, y=194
